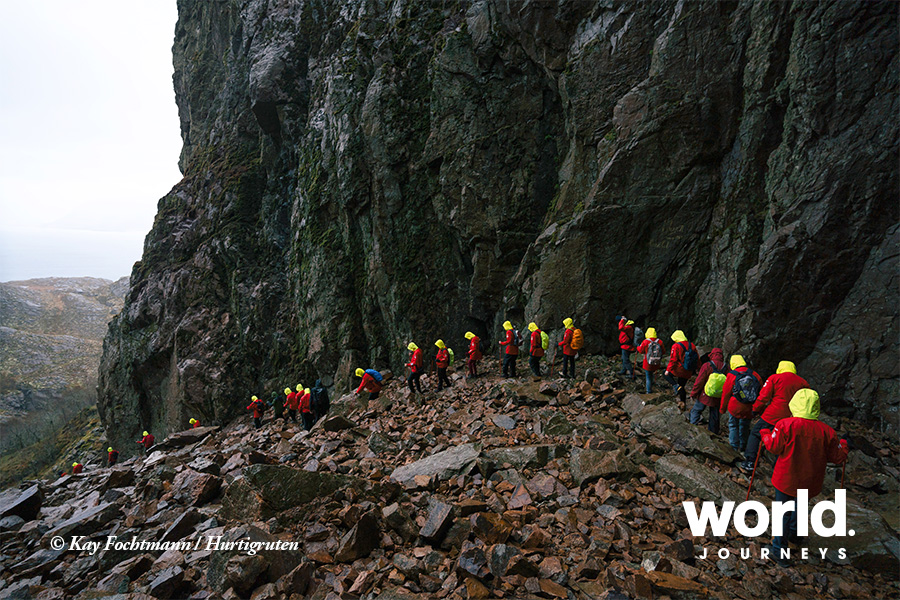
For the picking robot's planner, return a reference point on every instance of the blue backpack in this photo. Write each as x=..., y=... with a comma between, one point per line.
x=375, y=375
x=690, y=357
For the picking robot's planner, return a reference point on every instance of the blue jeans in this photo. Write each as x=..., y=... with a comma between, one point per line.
x=648, y=379
x=755, y=440
x=789, y=524
x=738, y=432
x=626, y=362
x=697, y=414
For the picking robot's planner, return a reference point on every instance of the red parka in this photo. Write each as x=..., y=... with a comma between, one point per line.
x=368, y=383
x=475, y=348
x=195, y=425
x=715, y=357
x=735, y=407
x=537, y=346
x=415, y=361
x=113, y=457
x=77, y=469
x=676, y=359
x=292, y=401
x=442, y=360
x=566, y=342
x=147, y=441
x=258, y=407
x=776, y=394
x=304, y=403
x=626, y=336
x=510, y=343
x=645, y=345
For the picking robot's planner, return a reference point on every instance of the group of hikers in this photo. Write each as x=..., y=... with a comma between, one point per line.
x=311, y=403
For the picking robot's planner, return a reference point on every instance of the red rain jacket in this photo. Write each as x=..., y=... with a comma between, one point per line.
x=676, y=359
x=804, y=447
x=697, y=393
x=537, y=346
x=566, y=343
x=369, y=384
x=304, y=404
x=113, y=457
x=147, y=441
x=77, y=469
x=510, y=343
x=645, y=345
x=626, y=336
x=735, y=407
x=258, y=407
x=292, y=401
x=415, y=361
x=475, y=348
x=776, y=394
x=195, y=425
x=442, y=360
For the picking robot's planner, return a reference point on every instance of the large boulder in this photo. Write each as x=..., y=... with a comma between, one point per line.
x=589, y=465
x=443, y=465
x=194, y=489
x=696, y=479
x=522, y=457
x=85, y=522
x=25, y=504
x=362, y=538
x=180, y=439
x=874, y=547
x=270, y=563
x=666, y=421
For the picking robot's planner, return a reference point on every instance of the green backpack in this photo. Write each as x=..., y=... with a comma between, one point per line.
x=545, y=340
x=714, y=383
x=452, y=356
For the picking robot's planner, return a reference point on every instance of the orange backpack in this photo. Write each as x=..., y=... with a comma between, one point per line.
x=577, y=340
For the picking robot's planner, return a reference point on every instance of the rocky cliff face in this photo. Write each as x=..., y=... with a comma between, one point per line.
x=359, y=174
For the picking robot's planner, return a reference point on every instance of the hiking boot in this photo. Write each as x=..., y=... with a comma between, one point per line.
x=676, y=388
x=746, y=466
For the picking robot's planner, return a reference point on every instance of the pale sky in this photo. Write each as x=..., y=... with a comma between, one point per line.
x=89, y=136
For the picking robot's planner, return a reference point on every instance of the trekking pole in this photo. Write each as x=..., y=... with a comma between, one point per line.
x=843, y=472
x=753, y=474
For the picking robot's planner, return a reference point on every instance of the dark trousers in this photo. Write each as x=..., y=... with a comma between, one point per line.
x=697, y=413
x=680, y=381
x=257, y=421
x=373, y=395
x=473, y=367
x=535, y=363
x=292, y=413
x=509, y=364
x=789, y=524
x=443, y=380
x=569, y=366
x=414, y=383
x=308, y=420
x=627, y=367
x=755, y=440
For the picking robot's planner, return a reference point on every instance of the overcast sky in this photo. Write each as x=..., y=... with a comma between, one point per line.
x=89, y=137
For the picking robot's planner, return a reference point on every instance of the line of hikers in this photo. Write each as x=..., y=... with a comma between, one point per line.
x=788, y=411
x=311, y=403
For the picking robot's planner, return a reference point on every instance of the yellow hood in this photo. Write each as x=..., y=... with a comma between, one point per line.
x=306, y=391
x=412, y=347
x=786, y=366
x=736, y=361
x=469, y=335
x=299, y=387
x=679, y=336
x=507, y=325
x=805, y=404
x=192, y=421
x=287, y=391
x=567, y=323
x=532, y=327
x=254, y=398
x=629, y=322
x=651, y=332
x=109, y=449
x=440, y=344
x=360, y=372
x=146, y=434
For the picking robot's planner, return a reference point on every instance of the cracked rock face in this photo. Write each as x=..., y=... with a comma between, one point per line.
x=359, y=174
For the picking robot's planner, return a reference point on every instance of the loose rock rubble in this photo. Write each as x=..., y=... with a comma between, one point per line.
x=490, y=489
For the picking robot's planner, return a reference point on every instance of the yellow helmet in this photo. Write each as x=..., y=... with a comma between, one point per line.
x=532, y=327
x=109, y=449
x=299, y=387
x=440, y=344
x=145, y=433
x=254, y=398
x=507, y=325
x=287, y=391
x=412, y=347
x=651, y=332
x=192, y=421
x=469, y=335
x=737, y=361
x=306, y=391
x=567, y=323
x=75, y=464
x=360, y=372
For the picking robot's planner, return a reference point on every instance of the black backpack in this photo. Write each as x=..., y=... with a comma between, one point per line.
x=517, y=338
x=690, y=357
x=637, y=336
x=319, y=399
x=746, y=386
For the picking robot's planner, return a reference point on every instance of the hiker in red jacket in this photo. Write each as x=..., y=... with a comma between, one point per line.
x=474, y=354
x=415, y=365
x=147, y=442
x=511, y=355
x=258, y=407
x=442, y=361
x=738, y=399
x=112, y=456
x=194, y=423
x=626, y=343
x=676, y=374
x=292, y=401
x=804, y=446
x=306, y=412
x=568, y=352
x=536, y=349
x=773, y=404
x=77, y=467
x=368, y=383
x=653, y=350
x=702, y=400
